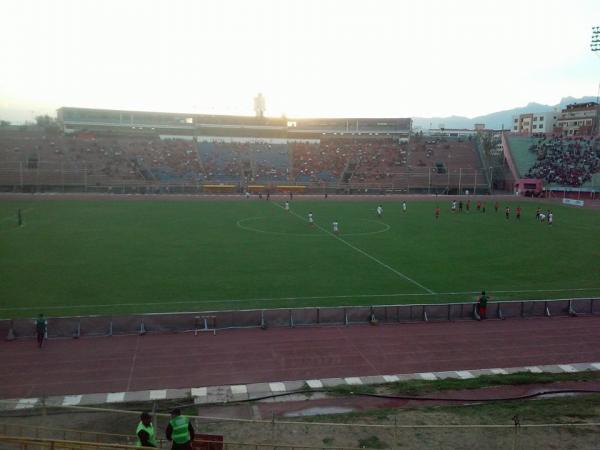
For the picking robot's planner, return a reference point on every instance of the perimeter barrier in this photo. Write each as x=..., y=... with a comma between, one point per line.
x=77, y=326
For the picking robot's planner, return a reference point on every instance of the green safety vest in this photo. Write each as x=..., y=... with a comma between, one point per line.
x=148, y=429
x=181, y=432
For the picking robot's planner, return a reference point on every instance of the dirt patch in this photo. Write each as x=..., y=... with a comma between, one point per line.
x=375, y=423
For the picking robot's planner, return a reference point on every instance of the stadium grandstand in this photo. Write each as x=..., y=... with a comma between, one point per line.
x=563, y=164
x=133, y=151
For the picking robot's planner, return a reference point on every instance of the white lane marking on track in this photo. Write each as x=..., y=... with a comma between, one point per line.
x=277, y=299
x=400, y=274
x=26, y=403
x=71, y=400
x=115, y=397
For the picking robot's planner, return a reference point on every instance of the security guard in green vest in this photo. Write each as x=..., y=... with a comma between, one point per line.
x=146, y=436
x=180, y=431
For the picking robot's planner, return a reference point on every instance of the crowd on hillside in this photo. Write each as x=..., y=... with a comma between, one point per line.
x=565, y=161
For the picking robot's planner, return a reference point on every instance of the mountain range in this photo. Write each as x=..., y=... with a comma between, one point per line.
x=496, y=120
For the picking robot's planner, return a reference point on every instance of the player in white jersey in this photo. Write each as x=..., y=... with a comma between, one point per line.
x=453, y=205
x=336, y=228
x=550, y=218
x=542, y=217
x=404, y=206
x=287, y=206
x=311, y=221
x=379, y=211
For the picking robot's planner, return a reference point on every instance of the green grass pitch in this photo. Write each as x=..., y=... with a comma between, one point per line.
x=75, y=257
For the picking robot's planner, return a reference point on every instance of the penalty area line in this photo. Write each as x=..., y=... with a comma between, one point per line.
x=400, y=274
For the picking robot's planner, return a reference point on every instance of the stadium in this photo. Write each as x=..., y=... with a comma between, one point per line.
x=336, y=282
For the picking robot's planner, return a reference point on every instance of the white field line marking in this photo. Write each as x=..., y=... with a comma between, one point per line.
x=278, y=299
x=400, y=274
x=14, y=217
x=280, y=233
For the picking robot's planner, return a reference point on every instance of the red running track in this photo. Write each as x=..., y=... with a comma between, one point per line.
x=133, y=363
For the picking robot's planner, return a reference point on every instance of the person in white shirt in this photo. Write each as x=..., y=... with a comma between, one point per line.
x=379, y=211
x=247, y=194
x=454, y=206
x=404, y=206
x=336, y=229
x=542, y=217
x=287, y=206
x=550, y=218
x=310, y=219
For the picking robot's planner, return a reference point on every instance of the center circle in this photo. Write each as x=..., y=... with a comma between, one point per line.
x=249, y=224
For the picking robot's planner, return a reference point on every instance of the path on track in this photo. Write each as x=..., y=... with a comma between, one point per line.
x=117, y=364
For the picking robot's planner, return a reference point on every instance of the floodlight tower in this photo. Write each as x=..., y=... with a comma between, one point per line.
x=595, y=47
x=259, y=105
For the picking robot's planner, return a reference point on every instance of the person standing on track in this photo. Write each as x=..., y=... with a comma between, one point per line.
x=482, y=305
x=41, y=328
x=180, y=431
x=146, y=436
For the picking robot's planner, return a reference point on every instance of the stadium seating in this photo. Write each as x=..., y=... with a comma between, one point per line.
x=571, y=161
x=146, y=160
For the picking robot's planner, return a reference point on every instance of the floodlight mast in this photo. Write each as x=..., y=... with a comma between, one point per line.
x=595, y=47
x=259, y=105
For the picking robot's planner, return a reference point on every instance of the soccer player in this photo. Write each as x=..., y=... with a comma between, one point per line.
x=468, y=205
x=550, y=218
x=537, y=213
x=479, y=206
x=507, y=212
x=483, y=207
x=453, y=205
x=518, y=211
x=287, y=205
x=460, y=205
x=379, y=211
x=336, y=228
x=437, y=212
x=19, y=217
x=496, y=206
x=404, y=206
x=311, y=221
x=542, y=217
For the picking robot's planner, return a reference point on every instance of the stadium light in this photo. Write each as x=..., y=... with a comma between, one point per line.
x=595, y=47
x=595, y=43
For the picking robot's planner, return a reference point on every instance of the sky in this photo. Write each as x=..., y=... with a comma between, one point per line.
x=321, y=58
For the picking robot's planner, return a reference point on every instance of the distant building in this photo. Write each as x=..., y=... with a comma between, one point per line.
x=479, y=126
x=529, y=123
x=578, y=119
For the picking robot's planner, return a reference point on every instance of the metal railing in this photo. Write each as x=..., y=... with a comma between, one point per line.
x=212, y=321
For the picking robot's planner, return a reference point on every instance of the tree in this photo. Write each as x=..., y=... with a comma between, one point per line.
x=48, y=123
x=44, y=121
x=4, y=123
